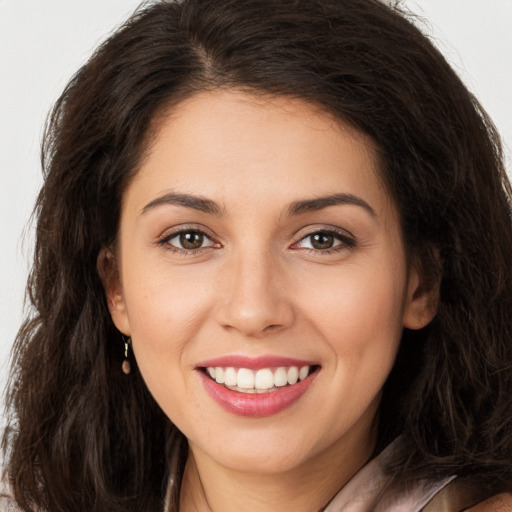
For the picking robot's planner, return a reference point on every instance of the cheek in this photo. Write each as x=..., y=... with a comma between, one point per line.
x=358, y=315
x=164, y=305
x=166, y=310
x=358, y=311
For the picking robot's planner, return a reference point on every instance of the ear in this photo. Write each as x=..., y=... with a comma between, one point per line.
x=422, y=299
x=108, y=271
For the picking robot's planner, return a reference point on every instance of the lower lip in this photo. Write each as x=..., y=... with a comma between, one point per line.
x=256, y=404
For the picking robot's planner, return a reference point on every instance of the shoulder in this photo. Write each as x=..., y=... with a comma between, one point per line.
x=7, y=504
x=498, y=503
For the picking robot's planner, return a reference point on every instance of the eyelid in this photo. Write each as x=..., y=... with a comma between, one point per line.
x=348, y=240
x=170, y=233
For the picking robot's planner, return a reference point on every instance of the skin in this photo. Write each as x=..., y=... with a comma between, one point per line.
x=499, y=503
x=259, y=286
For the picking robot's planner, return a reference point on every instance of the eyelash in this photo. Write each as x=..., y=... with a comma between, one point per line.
x=166, y=238
x=346, y=241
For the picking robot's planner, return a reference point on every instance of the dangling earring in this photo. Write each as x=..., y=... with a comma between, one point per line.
x=126, y=363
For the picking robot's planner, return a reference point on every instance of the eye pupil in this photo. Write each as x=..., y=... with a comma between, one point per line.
x=322, y=241
x=191, y=240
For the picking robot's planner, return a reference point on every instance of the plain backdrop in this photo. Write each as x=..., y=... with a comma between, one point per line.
x=43, y=42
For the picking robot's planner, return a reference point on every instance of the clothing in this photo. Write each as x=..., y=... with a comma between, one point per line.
x=370, y=491
x=7, y=504
x=367, y=491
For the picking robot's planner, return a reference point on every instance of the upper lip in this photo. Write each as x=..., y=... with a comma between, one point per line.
x=254, y=363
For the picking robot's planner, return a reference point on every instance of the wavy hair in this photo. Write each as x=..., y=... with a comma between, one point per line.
x=83, y=436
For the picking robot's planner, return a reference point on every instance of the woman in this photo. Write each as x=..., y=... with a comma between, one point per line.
x=272, y=272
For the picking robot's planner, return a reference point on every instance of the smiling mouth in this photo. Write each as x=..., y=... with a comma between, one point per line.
x=263, y=380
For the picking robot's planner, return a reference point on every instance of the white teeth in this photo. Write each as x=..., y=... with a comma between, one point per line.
x=230, y=377
x=280, y=377
x=292, y=375
x=257, y=381
x=264, y=379
x=219, y=375
x=252, y=391
x=245, y=378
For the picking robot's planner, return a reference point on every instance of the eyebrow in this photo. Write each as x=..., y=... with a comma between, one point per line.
x=319, y=203
x=194, y=202
x=206, y=205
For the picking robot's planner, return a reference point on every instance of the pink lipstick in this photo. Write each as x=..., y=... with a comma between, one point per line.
x=256, y=387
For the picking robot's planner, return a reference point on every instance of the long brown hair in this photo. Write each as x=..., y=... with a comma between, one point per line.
x=82, y=436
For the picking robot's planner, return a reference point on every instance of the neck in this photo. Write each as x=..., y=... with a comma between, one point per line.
x=209, y=487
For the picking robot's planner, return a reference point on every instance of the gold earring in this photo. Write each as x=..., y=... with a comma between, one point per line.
x=126, y=363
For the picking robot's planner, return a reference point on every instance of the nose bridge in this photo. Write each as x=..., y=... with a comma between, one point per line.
x=255, y=299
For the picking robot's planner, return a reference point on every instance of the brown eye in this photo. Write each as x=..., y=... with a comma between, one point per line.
x=321, y=241
x=187, y=240
x=191, y=240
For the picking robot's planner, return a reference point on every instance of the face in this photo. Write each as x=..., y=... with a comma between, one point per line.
x=257, y=242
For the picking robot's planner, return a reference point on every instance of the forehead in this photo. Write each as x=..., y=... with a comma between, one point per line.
x=229, y=143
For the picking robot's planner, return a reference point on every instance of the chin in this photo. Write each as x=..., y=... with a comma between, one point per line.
x=262, y=461
x=262, y=453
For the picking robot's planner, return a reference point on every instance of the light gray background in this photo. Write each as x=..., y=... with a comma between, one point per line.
x=43, y=42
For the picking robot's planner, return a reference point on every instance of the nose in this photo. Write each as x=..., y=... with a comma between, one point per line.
x=254, y=298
